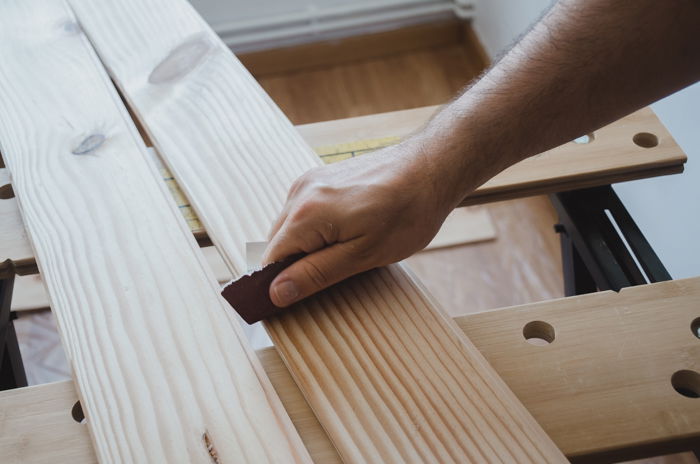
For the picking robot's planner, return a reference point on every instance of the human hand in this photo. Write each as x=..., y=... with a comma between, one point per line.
x=356, y=215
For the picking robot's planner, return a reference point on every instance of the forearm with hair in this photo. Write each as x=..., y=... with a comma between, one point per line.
x=585, y=64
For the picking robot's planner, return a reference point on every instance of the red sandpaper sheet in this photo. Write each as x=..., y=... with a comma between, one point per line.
x=250, y=294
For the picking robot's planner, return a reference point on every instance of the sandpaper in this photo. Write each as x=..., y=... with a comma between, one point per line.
x=250, y=294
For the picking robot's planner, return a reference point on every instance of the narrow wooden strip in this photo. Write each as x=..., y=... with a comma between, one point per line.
x=612, y=352
x=610, y=156
x=163, y=371
x=193, y=96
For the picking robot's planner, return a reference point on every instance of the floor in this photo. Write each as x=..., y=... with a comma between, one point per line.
x=522, y=265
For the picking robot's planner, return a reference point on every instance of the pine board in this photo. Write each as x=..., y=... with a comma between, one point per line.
x=385, y=388
x=612, y=352
x=159, y=362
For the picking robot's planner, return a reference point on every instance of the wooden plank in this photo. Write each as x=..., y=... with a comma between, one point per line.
x=163, y=370
x=612, y=352
x=589, y=168
x=390, y=378
x=611, y=156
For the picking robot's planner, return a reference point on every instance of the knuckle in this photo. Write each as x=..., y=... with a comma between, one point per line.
x=305, y=210
x=315, y=275
x=364, y=255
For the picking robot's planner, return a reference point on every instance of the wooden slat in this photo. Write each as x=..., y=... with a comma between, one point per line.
x=591, y=165
x=602, y=389
x=610, y=157
x=163, y=371
x=390, y=378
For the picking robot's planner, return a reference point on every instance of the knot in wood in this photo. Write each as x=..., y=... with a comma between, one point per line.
x=182, y=60
x=89, y=144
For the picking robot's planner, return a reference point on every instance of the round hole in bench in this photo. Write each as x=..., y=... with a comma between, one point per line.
x=77, y=413
x=687, y=383
x=584, y=139
x=6, y=192
x=645, y=140
x=695, y=327
x=538, y=333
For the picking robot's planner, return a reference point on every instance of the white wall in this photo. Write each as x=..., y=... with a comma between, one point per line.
x=499, y=22
x=667, y=209
x=259, y=24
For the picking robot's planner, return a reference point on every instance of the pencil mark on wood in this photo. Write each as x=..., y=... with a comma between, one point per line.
x=210, y=448
x=89, y=144
x=182, y=60
x=71, y=28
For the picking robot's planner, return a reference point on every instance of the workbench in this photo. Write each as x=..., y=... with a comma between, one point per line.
x=613, y=380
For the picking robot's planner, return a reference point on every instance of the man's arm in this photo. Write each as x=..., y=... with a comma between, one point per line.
x=585, y=64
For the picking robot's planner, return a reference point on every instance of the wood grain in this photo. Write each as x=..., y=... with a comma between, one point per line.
x=158, y=360
x=390, y=378
x=633, y=341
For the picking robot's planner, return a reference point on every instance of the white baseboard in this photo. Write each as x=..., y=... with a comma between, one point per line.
x=332, y=22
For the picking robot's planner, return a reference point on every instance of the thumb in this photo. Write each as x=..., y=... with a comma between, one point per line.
x=315, y=272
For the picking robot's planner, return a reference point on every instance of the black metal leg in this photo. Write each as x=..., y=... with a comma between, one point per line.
x=596, y=256
x=12, y=373
x=577, y=278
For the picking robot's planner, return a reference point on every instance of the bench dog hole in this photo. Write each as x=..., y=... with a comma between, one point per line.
x=645, y=140
x=77, y=413
x=695, y=327
x=687, y=383
x=538, y=333
x=584, y=139
x=6, y=192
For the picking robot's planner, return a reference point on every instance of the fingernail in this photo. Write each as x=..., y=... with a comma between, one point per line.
x=286, y=292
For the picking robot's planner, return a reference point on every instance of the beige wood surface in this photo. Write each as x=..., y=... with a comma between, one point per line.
x=385, y=388
x=610, y=157
x=613, y=352
x=604, y=384
x=162, y=368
